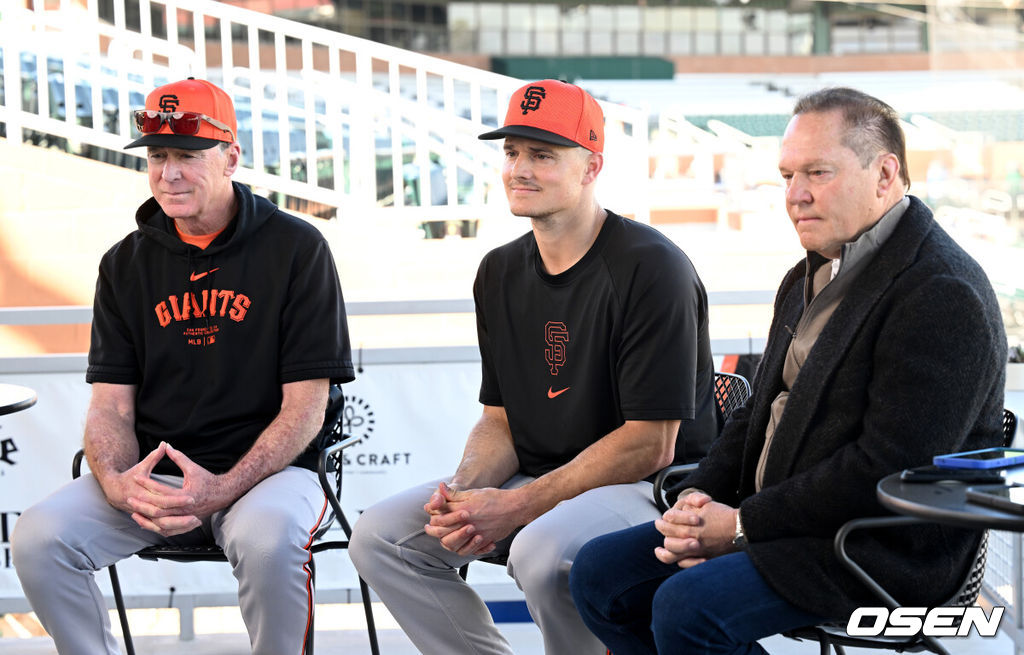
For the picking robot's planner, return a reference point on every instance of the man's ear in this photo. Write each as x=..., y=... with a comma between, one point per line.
x=233, y=159
x=888, y=173
x=595, y=162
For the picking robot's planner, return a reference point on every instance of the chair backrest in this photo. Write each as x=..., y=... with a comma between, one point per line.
x=330, y=434
x=1009, y=427
x=331, y=430
x=971, y=587
x=731, y=391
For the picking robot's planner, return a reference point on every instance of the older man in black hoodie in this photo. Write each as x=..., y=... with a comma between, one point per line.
x=218, y=326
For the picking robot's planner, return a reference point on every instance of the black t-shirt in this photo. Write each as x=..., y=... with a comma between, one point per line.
x=622, y=335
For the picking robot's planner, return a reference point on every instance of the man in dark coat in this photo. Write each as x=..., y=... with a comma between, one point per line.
x=886, y=348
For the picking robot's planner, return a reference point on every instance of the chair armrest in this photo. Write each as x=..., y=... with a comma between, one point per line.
x=866, y=524
x=76, y=464
x=324, y=460
x=662, y=477
x=883, y=522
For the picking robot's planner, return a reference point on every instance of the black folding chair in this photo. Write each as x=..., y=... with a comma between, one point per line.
x=332, y=443
x=731, y=391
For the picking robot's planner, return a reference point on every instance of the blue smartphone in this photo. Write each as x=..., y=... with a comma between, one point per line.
x=986, y=458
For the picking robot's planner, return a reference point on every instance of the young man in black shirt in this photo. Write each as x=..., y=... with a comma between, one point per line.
x=597, y=372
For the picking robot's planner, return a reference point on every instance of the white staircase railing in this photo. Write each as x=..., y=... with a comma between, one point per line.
x=348, y=124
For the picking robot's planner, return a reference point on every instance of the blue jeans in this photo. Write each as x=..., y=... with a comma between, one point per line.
x=636, y=604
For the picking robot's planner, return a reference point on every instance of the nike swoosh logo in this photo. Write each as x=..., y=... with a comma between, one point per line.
x=555, y=394
x=199, y=276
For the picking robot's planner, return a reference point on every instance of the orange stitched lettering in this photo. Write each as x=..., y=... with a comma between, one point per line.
x=212, y=303
x=162, y=315
x=174, y=307
x=203, y=335
x=198, y=311
x=239, y=308
x=227, y=297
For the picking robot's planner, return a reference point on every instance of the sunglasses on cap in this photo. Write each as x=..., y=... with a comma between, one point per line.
x=182, y=123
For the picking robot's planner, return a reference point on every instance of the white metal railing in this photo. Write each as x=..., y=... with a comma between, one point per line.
x=75, y=362
x=324, y=117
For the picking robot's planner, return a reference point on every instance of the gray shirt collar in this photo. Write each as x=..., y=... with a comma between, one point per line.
x=855, y=254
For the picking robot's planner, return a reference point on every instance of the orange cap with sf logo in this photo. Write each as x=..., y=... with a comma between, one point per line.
x=553, y=112
x=197, y=96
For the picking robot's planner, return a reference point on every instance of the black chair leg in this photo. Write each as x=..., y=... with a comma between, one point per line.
x=312, y=609
x=371, y=627
x=121, y=612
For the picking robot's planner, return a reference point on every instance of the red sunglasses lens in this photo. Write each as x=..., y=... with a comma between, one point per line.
x=186, y=124
x=148, y=122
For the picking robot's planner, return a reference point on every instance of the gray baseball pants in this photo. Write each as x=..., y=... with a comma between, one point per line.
x=418, y=579
x=59, y=543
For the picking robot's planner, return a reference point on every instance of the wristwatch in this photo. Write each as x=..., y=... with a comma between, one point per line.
x=739, y=539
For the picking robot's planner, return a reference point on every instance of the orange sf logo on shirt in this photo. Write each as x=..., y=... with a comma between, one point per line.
x=556, y=335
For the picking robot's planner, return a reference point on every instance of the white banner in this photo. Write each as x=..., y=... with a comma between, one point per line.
x=413, y=419
x=36, y=447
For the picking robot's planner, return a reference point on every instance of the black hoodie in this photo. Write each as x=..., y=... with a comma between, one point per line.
x=209, y=336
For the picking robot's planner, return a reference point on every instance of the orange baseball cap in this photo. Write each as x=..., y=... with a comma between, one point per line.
x=191, y=95
x=553, y=112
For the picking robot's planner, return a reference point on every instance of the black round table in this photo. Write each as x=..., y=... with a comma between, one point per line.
x=14, y=398
x=944, y=502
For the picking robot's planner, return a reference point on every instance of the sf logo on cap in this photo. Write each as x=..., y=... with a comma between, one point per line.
x=532, y=98
x=168, y=102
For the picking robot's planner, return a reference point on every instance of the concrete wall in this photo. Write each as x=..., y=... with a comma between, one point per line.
x=58, y=215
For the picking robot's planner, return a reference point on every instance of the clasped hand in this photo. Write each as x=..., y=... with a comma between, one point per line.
x=162, y=508
x=469, y=522
x=696, y=529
